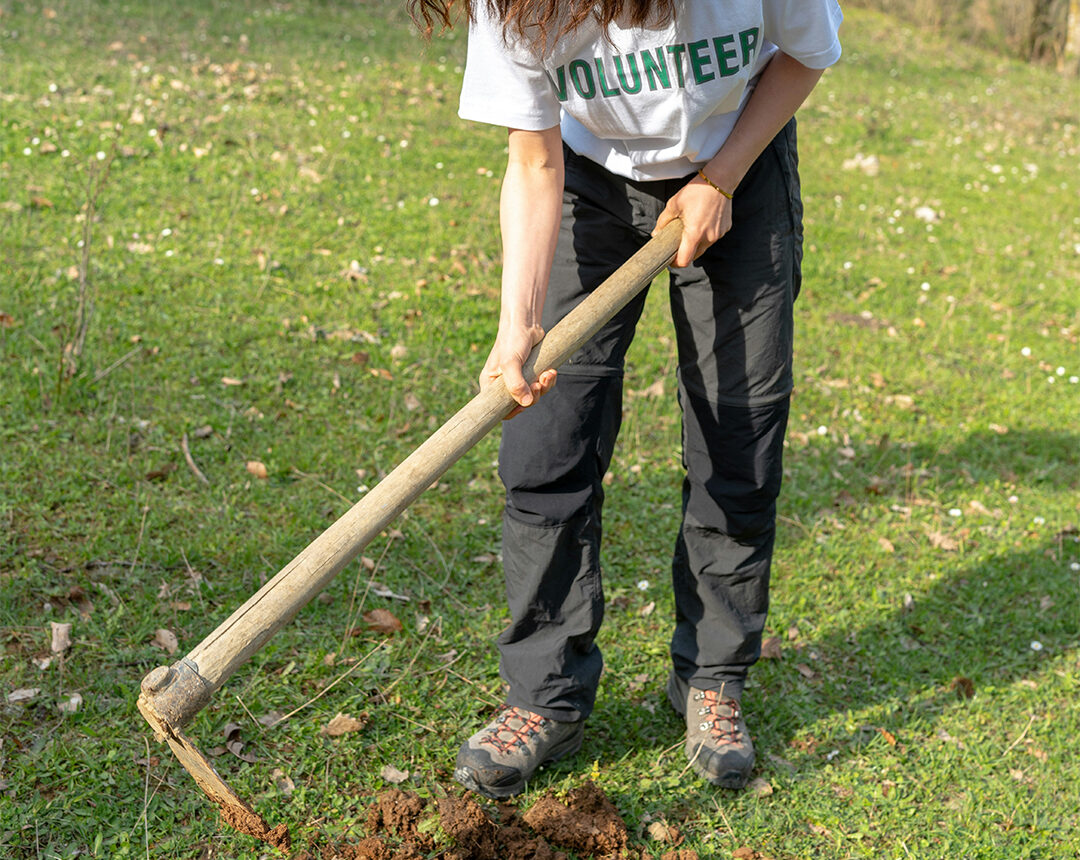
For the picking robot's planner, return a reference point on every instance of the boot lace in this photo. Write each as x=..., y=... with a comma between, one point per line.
x=720, y=717
x=514, y=727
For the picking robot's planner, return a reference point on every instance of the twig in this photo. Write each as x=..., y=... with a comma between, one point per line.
x=247, y=711
x=190, y=461
x=663, y=753
x=414, y=722
x=412, y=662
x=363, y=599
x=484, y=692
x=326, y=487
x=329, y=686
x=1020, y=738
x=138, y=543
x=146, y=801
x=727, y=824
x=101, y=374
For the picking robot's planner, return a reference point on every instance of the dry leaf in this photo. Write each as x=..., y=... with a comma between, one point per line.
x=282, y=781
x=886, y=545
x=236, y=746
x=392, y=775
x=270, y=719
x=760, y=787
x=61, y=637
x=382, y=621
x=382, y=591
x=963, y=687
x=166, y=640
x=661, y=831
x=943, y=542
x=258, y=469
x=342, y=724
x=71, y=705
x=770, y=649
x=231, y=380
x=647, y=609
x=820, y=830
x=890, y=738
x=412, y=402
x=805, y=671
x=24, y=694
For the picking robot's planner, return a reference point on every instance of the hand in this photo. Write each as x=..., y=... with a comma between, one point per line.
x=706, y=216
x=512, y=346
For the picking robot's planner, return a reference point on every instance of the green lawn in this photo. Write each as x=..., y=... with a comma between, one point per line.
x=293, y=261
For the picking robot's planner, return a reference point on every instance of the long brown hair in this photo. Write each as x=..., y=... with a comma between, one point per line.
x=537, y=23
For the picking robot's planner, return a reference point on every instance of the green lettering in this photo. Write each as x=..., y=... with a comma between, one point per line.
x=698, y=62
x=581, y=76
x=560, y=87
x=631, y=61
x=605, y=90
x=655, y=70
x=749, y=41
x=676, y=53
x=723, y=54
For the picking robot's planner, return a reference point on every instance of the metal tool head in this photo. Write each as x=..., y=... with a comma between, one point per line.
x=235, y=811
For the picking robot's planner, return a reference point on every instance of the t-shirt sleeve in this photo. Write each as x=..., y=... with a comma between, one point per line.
x=504, y=85
x=807, y=30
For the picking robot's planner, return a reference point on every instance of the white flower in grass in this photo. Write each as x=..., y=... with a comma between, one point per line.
x=1026, y=351
x=1039, y=521
x=643, y=585
x=27, y=151
x=1036, y=645
x=822, y=430
x=1075, y=566
x=955, y=512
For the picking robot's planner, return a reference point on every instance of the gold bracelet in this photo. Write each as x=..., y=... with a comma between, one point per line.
x=701, y=173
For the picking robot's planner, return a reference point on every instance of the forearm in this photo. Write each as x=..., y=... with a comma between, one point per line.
x=780, y=91
x=529, y=212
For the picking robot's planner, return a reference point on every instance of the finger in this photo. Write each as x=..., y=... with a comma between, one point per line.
x=665, y=218
x=687, y=251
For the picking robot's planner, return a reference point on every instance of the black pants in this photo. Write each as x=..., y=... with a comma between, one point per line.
x=732, y=311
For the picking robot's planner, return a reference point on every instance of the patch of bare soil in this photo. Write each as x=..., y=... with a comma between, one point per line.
x=401, y=825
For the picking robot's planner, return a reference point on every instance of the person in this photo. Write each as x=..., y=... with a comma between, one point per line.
x=623, y=115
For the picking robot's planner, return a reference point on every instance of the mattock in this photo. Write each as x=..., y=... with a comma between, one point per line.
x=172, y=695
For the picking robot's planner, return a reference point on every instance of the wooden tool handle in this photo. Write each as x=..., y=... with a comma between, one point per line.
x=177, y=693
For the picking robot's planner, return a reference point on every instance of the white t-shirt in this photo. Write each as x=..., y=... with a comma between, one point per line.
x=645, y=103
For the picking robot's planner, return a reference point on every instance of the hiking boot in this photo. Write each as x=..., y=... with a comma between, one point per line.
x=717, y=741
x=500, y=758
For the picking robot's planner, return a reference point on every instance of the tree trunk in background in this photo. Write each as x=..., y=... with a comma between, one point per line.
x=1041, y=32
x=1070, y=57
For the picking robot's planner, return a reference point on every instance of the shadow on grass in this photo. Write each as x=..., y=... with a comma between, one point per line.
x=970, y=631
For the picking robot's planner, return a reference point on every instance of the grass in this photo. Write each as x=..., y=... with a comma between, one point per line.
x=296, y=247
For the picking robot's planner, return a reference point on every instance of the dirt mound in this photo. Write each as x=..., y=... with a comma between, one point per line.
x=587, y=823
x=401, y=825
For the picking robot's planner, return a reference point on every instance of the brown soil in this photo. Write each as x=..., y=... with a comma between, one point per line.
x=587, y=823
x=401, y=825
